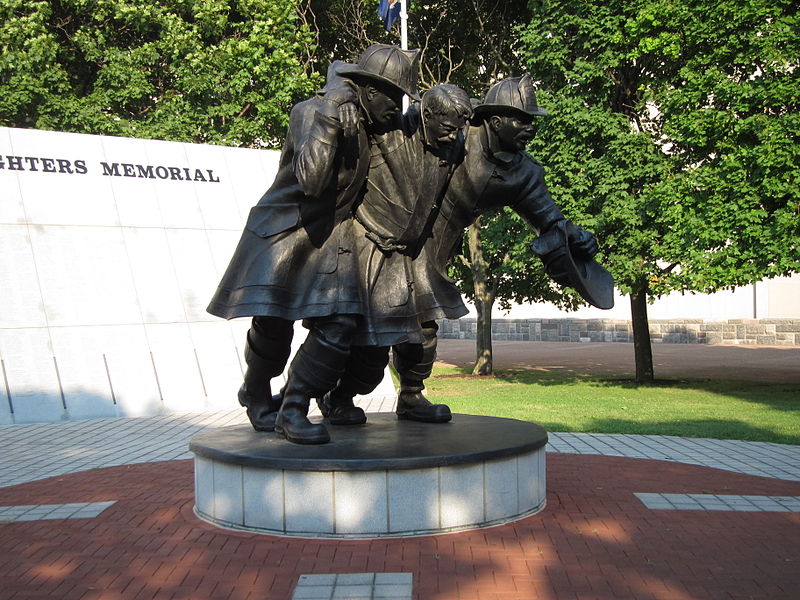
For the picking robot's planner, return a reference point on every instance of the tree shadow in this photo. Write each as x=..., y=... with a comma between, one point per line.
x=31, y=405
x=780, y=396
x=621, y=405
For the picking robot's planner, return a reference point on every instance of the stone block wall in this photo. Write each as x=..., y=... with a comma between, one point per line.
x=785, y=332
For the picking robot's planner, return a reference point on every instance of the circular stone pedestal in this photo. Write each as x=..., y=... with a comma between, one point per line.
x=384, y=478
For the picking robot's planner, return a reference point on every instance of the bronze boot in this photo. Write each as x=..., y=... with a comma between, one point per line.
x=266, y=352
x=315, y=370
x=414, y=406
x=414, y=363
x=337, y=406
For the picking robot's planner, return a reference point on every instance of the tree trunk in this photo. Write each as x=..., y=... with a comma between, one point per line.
x=484, y=299
x=642, y=348
x=483, y=339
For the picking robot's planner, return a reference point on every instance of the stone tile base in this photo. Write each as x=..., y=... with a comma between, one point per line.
x=379, y=503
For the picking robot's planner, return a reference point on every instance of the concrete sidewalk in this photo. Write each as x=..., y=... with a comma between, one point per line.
x=34, y=452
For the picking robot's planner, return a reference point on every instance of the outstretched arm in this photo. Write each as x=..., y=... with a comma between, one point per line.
x=544, y=216
x=535, y=205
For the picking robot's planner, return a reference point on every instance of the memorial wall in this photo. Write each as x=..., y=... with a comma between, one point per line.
x=110, y=249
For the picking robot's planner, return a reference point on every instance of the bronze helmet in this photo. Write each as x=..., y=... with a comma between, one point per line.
x=384, y=63
x=515, y=93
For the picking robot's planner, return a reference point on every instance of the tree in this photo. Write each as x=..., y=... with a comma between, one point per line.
x=675, y=138
x=468, y=43
x=215, y=71
x=497, y=264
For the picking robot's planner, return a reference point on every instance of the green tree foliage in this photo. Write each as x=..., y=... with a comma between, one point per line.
x=515, y=275
x=216, y=71
x=674, y=137
x=468, y=43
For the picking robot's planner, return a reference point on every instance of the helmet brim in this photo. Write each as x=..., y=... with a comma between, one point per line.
x=349, y=69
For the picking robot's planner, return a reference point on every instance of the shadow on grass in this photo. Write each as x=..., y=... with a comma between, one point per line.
x=721, y=409
x=779, y=396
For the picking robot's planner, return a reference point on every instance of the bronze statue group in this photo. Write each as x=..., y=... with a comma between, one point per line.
x=355, y=235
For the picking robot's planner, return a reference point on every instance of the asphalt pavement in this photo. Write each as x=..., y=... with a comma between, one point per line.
x=742, y=362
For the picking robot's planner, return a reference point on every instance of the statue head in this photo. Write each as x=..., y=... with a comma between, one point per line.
x=384, y=73
x=445, y=109
x=508, y=110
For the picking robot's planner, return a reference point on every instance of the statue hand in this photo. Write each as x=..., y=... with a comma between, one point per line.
x=340, y=103
x=341, y=94
x=582, y=241
x=349, y=117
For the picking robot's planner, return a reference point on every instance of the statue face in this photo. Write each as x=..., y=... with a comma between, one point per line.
x=441, y=129
x=383, y=104
x=513, y=132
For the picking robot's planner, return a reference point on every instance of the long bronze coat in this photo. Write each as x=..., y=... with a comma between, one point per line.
x=405, y=184
x=295, y=258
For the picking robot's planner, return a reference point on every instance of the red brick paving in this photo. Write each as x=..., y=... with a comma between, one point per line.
x=594, y=540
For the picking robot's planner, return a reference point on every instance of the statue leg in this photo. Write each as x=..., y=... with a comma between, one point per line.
x=267, y=349
x=315, y=370
x=363, y=372
x=414, y=363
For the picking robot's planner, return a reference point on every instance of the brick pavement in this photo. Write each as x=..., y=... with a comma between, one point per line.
x=595, y=539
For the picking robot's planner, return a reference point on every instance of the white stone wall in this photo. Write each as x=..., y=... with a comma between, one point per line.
x=104, y=277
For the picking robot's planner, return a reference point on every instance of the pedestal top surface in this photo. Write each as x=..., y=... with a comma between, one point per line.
x=384, y=442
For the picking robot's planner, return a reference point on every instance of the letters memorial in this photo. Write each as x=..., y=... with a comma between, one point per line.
x=78, y=166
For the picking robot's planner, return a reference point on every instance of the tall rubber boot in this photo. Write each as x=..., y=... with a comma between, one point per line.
x=266, y=352
x=414, y=363
x=363, y=373
x=315, y=370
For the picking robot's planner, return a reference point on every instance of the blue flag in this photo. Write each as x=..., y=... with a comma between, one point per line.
x=389, y=11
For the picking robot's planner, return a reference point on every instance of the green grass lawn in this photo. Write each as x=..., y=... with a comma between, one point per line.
x=768, y=412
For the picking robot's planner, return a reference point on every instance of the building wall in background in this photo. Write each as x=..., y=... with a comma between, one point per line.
x=777, y=298
x=106, y=271
x=778, y=332
x=110, y=249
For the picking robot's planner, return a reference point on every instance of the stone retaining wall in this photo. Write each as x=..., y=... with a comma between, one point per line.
x=785, y=332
